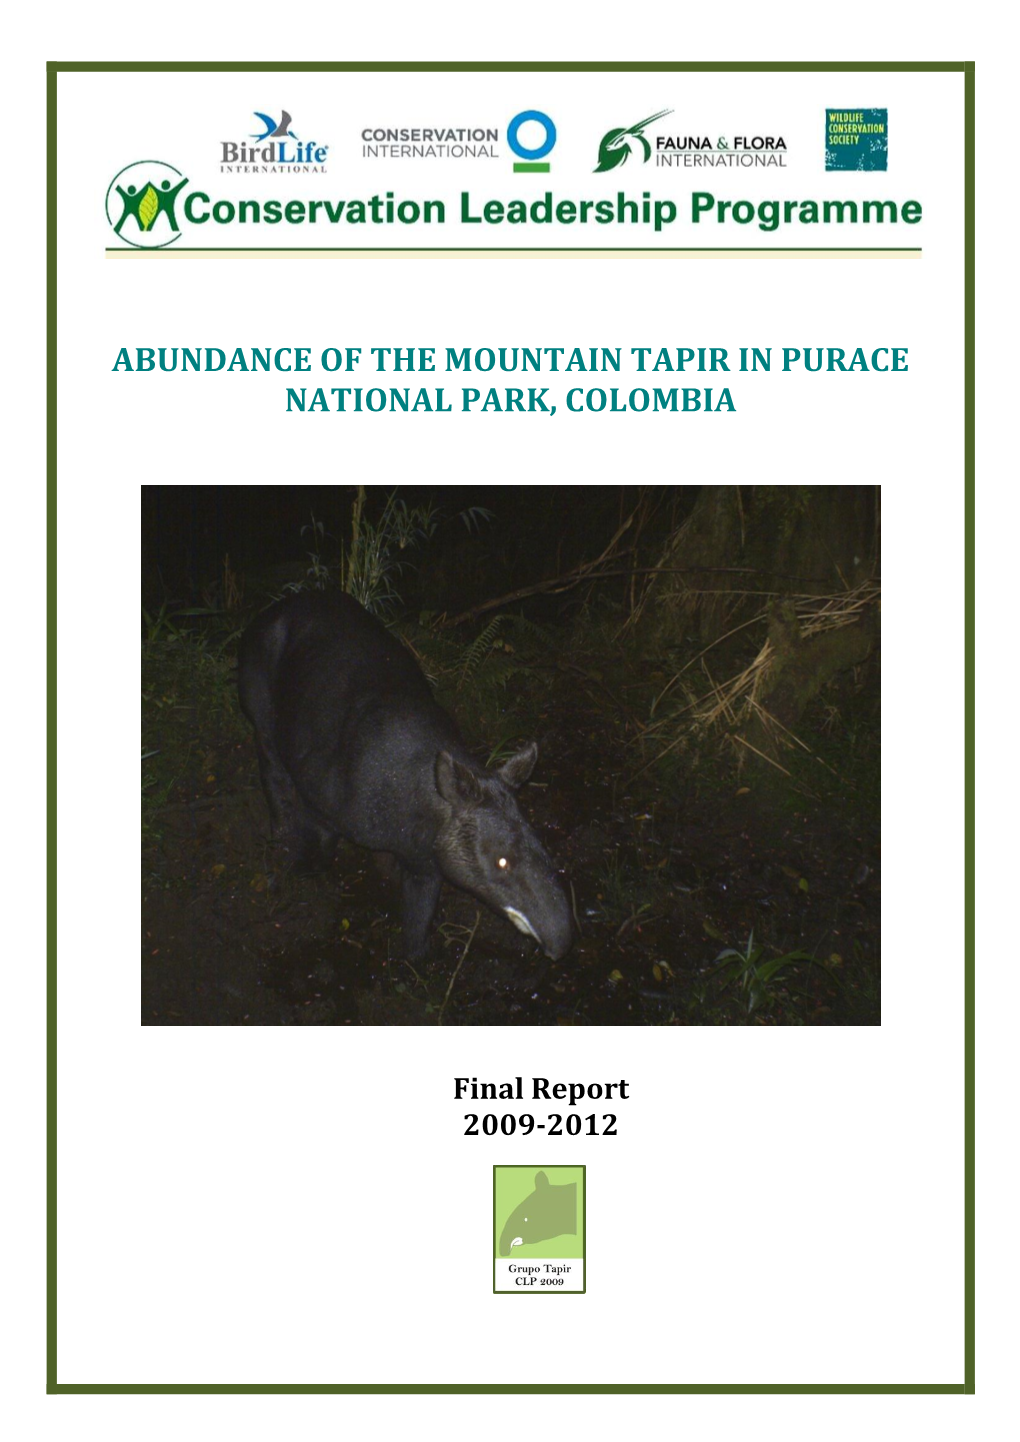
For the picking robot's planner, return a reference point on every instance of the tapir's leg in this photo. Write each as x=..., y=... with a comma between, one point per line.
x=256, y=696
x=279, y=788
x=313, y=839
x=310, y=839
x=420, y=897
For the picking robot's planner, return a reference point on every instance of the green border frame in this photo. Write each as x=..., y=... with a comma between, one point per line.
x=524, y=1167
x=53, y=1387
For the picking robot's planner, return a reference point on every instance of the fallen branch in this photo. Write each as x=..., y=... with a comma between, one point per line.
x=564, y=582
x=744, y=742
x=453, y=978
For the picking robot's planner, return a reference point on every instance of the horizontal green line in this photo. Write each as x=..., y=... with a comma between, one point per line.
x=526, y=250
x=547, y=66
x=605, y=1388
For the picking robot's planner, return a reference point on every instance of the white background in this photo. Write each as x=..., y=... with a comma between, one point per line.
x=718, y=1161
x=762, y=1151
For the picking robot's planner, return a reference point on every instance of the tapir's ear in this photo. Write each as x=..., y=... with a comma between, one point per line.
x=541, y=1180
x=455, y=782
x=517, y=770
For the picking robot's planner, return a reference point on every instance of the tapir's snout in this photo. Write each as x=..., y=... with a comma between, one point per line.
x=546, y=917
x=559, y=943
x=556, y=928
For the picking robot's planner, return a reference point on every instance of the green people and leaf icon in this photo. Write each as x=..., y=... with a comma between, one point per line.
x=144, y=195
x=615, y=145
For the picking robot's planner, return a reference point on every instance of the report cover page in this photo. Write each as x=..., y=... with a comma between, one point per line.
x=515, y=880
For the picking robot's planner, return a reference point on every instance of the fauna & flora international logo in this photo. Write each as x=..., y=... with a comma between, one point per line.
x=538, y=1230
x=687, y=151
x=617, y=145
x=857, y=140
x=141, y=204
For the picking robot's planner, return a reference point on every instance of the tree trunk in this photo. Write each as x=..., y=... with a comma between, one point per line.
x=803, y=665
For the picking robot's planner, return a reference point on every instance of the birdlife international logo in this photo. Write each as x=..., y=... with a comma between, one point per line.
x=617, y=145
x=141, y=204
x=273, y=149
x=277, y=129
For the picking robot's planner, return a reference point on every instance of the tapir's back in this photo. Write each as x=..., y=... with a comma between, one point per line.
x=317, y=635
x=345, y=704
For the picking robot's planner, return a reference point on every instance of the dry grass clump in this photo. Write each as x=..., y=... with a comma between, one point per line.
x=736, y=709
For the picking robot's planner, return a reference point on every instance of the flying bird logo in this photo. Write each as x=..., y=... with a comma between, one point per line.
x=274, y=130
x=615, y=146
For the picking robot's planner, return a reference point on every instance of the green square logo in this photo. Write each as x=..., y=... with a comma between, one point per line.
x=538, y=1232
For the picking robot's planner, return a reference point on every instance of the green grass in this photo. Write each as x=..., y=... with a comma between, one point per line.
x=189, y=705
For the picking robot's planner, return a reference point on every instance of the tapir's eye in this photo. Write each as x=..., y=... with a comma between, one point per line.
x=503, y=864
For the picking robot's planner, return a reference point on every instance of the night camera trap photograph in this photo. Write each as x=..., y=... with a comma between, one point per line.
x=546, y=755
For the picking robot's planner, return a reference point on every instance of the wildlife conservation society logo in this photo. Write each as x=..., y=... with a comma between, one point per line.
x=538, y=1230
x=856, y=139
x=141, y=204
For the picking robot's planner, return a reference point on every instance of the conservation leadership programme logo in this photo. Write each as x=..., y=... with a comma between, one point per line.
x=141, y=203
x=538, y=1230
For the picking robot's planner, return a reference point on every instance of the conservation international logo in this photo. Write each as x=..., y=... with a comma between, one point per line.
x=538, y=1230
x=537, y=142
x=141, y=204
x=429, y=142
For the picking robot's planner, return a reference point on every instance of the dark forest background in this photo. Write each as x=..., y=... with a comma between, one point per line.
x=700, y=666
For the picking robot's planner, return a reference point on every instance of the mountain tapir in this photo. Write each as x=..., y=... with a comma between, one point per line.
x=351, y=743
x=549, y=1212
